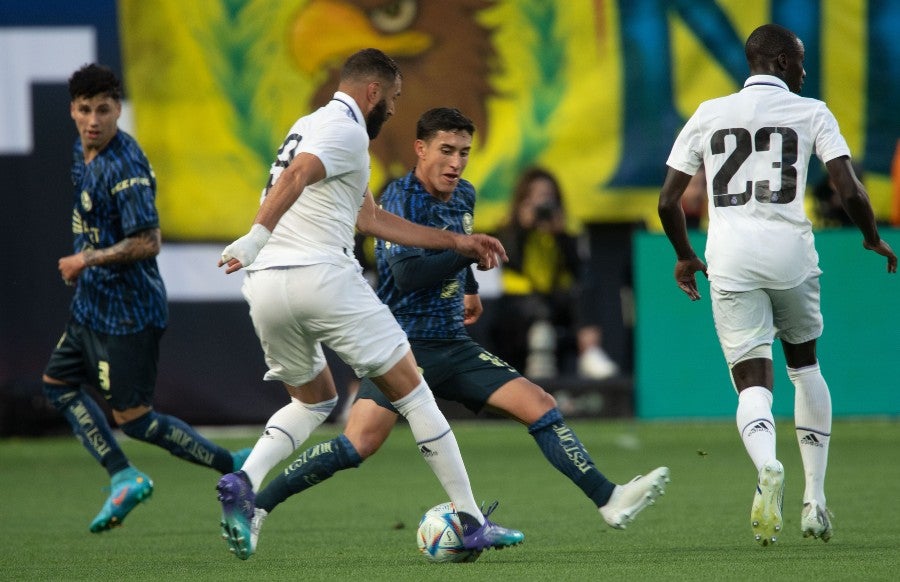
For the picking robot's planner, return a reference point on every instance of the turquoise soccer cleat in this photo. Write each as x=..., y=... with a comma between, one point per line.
x=239, y=457
x=129, y=487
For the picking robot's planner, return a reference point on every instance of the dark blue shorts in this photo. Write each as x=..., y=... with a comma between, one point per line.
x=121, y=367
x=457, y=370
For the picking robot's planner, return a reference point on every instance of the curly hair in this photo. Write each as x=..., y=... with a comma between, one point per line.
x=91, y=80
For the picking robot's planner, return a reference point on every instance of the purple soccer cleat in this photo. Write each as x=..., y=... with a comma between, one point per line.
x=490, y=535
x=238, y=504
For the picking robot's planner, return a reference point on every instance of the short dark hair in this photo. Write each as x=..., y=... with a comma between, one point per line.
x=91, y=80
x=365, y=64
x=768, y=41
x=442, y=119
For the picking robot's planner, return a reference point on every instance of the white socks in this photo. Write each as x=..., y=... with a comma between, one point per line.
x=286, y=430
x=756, y=424
x=812, y=419
x=438, y=446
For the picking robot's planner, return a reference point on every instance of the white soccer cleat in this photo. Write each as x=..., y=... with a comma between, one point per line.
x=815, y=521
x=630, y=499
x=259, y=516
x=765, y=514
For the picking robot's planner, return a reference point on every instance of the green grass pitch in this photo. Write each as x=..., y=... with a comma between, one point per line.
x=361, y=524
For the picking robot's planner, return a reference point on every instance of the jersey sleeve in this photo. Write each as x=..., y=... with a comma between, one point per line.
x=134, y=188
x=341, y=147
x=829, y=144
x=687, y=152
x=416, y=271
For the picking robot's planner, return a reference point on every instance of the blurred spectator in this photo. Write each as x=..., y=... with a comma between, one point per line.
x=539, y=325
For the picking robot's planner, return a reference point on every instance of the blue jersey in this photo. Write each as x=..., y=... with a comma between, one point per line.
x=114, y=198
x=435, y=312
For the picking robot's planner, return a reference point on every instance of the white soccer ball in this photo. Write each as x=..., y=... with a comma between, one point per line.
x=440, y=536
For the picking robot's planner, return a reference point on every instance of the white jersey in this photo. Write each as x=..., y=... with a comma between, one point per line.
x=319, y=227
x=756, y=145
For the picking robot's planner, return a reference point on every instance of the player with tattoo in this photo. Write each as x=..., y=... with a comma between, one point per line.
x=119, y=311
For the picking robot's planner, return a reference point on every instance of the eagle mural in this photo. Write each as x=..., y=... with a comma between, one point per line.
x=445, y=55
x=215, y=85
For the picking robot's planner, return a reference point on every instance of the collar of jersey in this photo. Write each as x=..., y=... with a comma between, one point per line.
x=765, y=80
x=348, y=101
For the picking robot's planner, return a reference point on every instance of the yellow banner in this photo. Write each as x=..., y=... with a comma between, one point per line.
x=594, y=90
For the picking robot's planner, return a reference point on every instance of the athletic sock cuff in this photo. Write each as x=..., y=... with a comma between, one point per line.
x=797, y=372
x=419, y=395
x=141, y=428
x=551, y=417
x=324, y=408
x=348, y=450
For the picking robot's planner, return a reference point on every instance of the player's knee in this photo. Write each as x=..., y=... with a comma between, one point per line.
x=539, y=400
x=367, y=448
x=59, y=395
x=320, y=409
x=366, y=443
x=800, y=355
x=754, y=368
x=546, y=400
x=142, y=428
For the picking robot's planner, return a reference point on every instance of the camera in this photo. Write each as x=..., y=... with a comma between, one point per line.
x=545, y=212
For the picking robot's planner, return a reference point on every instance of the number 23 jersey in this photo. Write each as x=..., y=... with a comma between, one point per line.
x=755, y=146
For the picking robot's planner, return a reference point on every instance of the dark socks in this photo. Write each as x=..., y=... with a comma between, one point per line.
x=180, y=439
x=564, y=450
x=89, y=424
x=314, y=465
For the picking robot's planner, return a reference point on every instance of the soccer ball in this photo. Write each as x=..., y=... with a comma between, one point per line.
x=440, y=536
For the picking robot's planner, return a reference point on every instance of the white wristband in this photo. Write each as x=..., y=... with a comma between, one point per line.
x=246, y=248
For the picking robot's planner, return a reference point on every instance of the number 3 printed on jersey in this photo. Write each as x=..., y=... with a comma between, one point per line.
x=285, y=156
x=744, y=146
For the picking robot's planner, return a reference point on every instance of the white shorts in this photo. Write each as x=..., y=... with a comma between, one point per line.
x=747, y=319
x=297, y=309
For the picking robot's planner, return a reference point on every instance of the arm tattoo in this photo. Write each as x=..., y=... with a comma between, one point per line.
x=142, y=245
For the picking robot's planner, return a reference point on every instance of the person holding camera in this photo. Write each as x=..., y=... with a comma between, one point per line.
x=542, y=329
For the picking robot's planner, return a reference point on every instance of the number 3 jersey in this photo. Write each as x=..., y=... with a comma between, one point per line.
x=755, y=146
